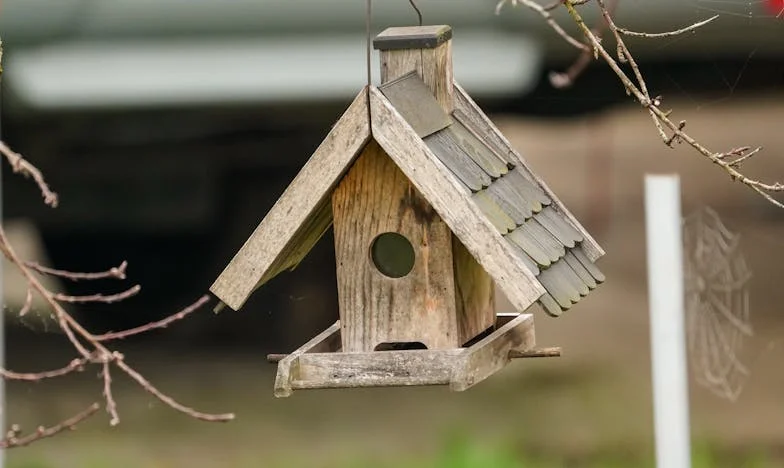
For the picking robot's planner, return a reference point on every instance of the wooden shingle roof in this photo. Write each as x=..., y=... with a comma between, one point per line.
x=551, y=246
x=504, y=214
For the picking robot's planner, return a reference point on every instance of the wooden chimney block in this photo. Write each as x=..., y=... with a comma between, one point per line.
x=427, y=50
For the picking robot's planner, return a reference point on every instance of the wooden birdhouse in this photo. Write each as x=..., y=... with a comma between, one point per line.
x=431, y=208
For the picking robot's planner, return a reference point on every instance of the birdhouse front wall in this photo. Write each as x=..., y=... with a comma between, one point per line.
x=395, y=271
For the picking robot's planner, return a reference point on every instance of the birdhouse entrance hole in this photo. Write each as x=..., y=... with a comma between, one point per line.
x=393, y=255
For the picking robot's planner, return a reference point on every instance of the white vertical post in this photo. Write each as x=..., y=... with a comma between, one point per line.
x=668, y=339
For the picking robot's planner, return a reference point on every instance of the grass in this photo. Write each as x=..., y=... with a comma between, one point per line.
x=457, y=450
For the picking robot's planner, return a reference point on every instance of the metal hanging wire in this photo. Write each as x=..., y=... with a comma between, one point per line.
x=368, y=24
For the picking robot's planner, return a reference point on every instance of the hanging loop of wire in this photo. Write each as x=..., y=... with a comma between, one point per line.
x=368, y=21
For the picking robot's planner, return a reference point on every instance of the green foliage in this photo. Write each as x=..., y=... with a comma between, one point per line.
x=460, y=451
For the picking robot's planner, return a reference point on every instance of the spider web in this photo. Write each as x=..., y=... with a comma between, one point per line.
x=717, y=303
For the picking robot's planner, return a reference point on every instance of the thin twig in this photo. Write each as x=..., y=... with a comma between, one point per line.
x=13, y=440
x=21, y=166
x=154, y=325
x=28, y=303
x=641, y=95
x=111, y=405
x=112, y=273
x=76, y=332
x=677, y=32
x=60, y=314
x=561, y=80
x=77, y=365
x=169, y=401
x=555, y=4
x=531, y=4
x=102, y=298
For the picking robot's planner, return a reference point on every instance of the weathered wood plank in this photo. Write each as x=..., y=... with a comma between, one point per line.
x=277, y=234
x=578, y=268
x=373, y=198
x=497, y=216
x=434, y=66
x=582, y=257
x=474, y=294
x=559, y=227
x=452, y=201
x=523, y=239
x=527, y=189
x=550, y=306
x=288, y=366
x=555, y=250
x=302, y=242
x=375, y=369
x=471, y=115
x=566, y=270
x=448, y=150
x=491, y=354
x=479, y=151
x=559, y=286
x=510, y=200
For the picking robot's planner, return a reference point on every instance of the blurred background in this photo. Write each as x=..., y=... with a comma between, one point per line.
x=170, y=127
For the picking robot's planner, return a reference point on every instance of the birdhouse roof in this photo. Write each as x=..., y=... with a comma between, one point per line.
x=503, y=213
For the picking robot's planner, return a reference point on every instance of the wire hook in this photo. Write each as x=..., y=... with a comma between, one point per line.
x=417, y=10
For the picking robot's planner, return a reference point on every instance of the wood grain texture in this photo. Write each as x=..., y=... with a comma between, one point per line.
x=288, y=366
x=287, y=232
x=373, y=198
x=491, y=354
x=316, y=364
x=469, y=113
x=475, y=294
x=434, y=66
x=375, y=369
x=453, y=203
x=448, y=150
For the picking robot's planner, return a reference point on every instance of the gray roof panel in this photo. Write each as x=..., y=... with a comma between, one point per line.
x=580, y=270
x=447, y=149
x=530, y=246
x=559, y=227
x=559, y=287
x=494, y=213
x=550, y=305
x=588, y=264
x=416, y=103
x=479, y=151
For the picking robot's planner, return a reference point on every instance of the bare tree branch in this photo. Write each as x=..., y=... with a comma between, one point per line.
x=677, y=32
x=86, y=344
x=661, y=118
x=76, y=365
x=28, y=304
x=21, y=166
x=14, y=439
x=154, y=325
x=106, y=299
x=545, y=13
x=112, y=273
x=111, y=405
